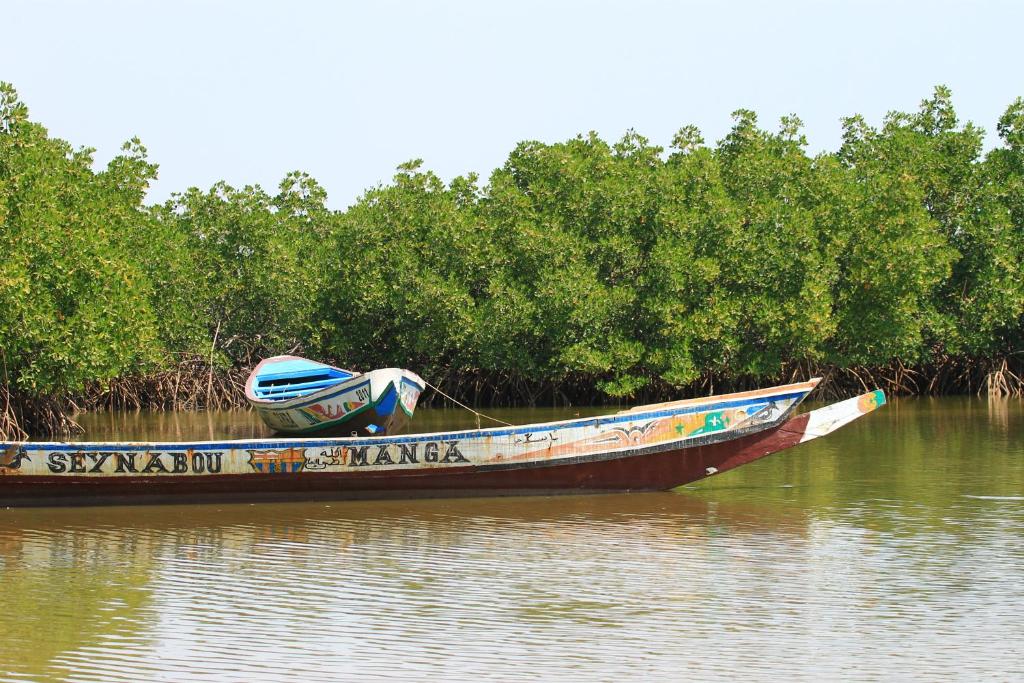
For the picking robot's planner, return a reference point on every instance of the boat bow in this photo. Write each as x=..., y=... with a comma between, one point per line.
x=653, y=448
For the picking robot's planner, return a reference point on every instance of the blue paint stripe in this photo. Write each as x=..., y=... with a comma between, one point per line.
x=264, y=444
x=314, y=398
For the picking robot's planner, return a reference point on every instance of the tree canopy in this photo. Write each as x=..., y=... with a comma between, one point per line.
x=620, y=266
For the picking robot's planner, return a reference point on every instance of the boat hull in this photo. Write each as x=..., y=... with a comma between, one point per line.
x=453, y=464
x=378, y=402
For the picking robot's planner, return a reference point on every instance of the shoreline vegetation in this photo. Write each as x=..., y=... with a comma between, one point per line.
x=581, y=272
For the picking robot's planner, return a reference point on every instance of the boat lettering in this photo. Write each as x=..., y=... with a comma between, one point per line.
x=453, y=454
x=408, y=453
x=430, y=452
x=383, y=456
x=97, y=461
x=155, y=463
x=326, y=458
x=359, y=456
x=116, y=462
x=278, y=419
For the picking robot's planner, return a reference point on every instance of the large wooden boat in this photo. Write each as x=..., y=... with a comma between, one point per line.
x=302, y=397
x=654, y=447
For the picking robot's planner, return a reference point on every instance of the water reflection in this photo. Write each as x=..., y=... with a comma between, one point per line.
x=891, y=549
x=145, y=587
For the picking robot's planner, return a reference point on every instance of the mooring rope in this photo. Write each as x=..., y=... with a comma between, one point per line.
x=463, y=405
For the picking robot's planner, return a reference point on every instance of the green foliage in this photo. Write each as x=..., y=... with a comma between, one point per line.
x=1002, y=178
x=250, y=265
x=74, y=305
x=251, y=272
x=405, y=261
x=571, y=228
x=772, y=256
x=891, y=254
x=614, y=265
x=941, y=158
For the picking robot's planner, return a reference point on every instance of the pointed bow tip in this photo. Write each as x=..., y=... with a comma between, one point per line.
x=826, y=420
x=871, y=401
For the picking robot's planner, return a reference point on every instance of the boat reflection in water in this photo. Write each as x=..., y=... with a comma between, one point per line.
x=128, y=592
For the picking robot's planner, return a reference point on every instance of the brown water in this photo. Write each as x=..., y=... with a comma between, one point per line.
x=893, y=549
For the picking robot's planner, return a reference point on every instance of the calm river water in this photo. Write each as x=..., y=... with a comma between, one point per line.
x=890, y=550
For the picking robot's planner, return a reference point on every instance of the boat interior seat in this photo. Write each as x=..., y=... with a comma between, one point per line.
x=296, y=377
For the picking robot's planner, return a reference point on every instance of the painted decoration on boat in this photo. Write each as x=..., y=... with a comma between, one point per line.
x=408, y=395
x=646, y=448
x=12, y=458
x=298, y=396
x=337, y=406
x=868, y=402
x=680, y=425
x=278, y=461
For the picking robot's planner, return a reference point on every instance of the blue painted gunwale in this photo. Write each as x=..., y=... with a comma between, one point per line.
x=243, y=444
x=278, y=405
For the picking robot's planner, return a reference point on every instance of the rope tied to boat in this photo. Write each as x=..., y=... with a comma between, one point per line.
x=463, y=405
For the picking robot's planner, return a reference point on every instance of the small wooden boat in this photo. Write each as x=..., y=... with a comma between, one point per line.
x=655, y=447
x=302, y=397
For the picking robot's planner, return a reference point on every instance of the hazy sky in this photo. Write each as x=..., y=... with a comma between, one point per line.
x=246, y=91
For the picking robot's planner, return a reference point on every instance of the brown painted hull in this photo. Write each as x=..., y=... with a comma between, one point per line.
x=644, y=470
x=656, y=448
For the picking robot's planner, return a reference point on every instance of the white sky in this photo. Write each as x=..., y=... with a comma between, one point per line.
x=247, y=91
